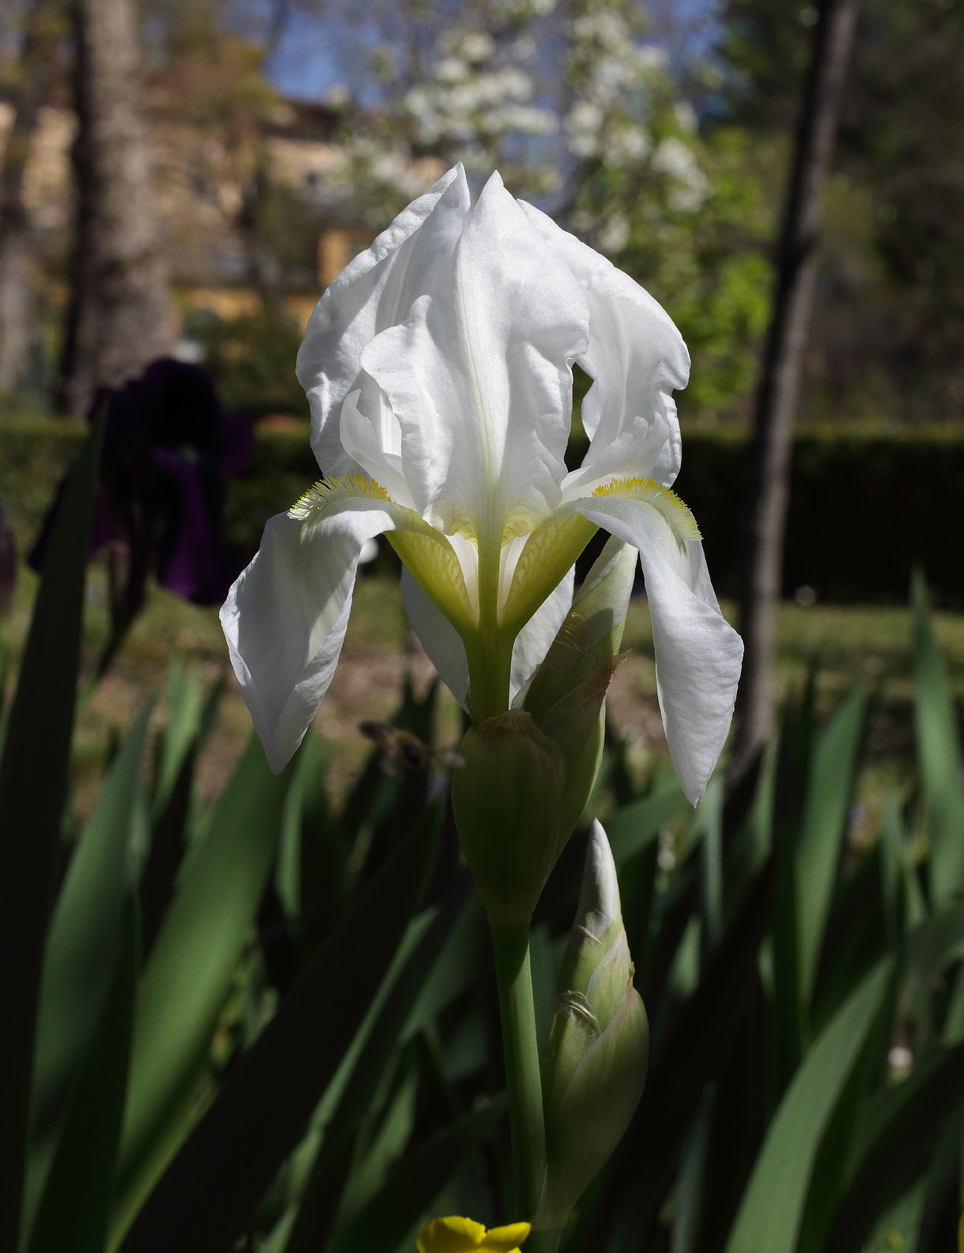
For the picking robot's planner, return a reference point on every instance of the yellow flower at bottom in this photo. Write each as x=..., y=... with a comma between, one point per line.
x=462, y=1235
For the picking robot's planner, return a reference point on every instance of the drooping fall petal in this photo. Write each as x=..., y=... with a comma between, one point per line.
x=286, y=615
x=698, y=654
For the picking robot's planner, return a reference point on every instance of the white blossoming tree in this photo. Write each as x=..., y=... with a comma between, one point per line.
x=546, y=91
x=580, y=112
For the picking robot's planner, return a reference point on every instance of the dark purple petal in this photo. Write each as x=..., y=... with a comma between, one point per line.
x=237, y=444
x=192, y=562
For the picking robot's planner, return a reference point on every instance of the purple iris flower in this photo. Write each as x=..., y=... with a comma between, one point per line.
x=169, y=451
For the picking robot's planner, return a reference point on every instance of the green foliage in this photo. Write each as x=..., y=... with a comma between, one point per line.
x=288, y=1046
x=82, y=940
x=33, y=790
x=886, y=333
x=940, y=756
x=867, y=505
x=772, y=1209
x=706, y=260
x=75, y=1207
x=251, y=358
x=35, y=453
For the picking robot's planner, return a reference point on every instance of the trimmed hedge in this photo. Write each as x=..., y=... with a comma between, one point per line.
x=865, y=508
x=866, y=504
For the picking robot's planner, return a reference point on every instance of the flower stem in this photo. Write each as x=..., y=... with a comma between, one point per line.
x=521, y=1047
x=544, y=1241
x=490, y=663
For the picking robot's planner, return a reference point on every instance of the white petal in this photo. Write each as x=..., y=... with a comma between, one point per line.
x=599, y=897
x=374, y=291
x=533, y=641
x=285, y=619
x=636, y=357
x=479, y=379
x=698, y=654
x=367, y=437
x=442, y=643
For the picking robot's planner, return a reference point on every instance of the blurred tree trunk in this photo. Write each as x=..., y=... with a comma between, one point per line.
x=779, y=389
x=43, y=30
x=118, y=320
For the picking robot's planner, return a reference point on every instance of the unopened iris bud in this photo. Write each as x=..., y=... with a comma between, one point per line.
x=567, y=696
x=594, y=1061
x=507, y=797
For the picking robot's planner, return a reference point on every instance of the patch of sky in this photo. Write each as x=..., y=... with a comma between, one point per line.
x=309, y=62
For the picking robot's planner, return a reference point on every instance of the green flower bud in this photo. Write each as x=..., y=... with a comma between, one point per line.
x=594, y=1061
x=567, y=695
x=506, y=798
x=577, y=723
x=592, y=631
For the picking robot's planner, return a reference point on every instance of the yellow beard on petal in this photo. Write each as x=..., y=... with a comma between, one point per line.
x=663, y=500
x=327, y=492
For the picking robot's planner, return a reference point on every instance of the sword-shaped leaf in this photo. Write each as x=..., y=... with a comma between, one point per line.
x=33, y=788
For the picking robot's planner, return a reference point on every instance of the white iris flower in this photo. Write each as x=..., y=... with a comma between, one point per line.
x=439, y=370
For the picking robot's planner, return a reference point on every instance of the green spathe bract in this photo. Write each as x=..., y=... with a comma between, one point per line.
x=506, y=799
x=594, y=1062
x=567, y=695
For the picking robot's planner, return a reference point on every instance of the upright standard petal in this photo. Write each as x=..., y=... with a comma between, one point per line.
x=698, y=654
x=479, y=378
x=636, y=357
x=373, y=292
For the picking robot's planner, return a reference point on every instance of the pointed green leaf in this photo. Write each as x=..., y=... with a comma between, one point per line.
x=896, y=1141
x=930, y=947
x=710, y=820
x=829, y=790
x=318, y=1204
x=73, y=1212
x=184, y=707
x=691, y=1052
x=636, y=825
x=738, y=1122
x=939, y=754
x=829, y=1168
x=769, y=1217
x=855, y=938
x=415, y=1182
x=892, y=863
x=190, y=968
x=686, y=1226
x=209, y=1192
x=84, y=933
x=33, y=788
x=168, y=845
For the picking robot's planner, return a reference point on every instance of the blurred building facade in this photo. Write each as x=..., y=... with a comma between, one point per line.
x=274, y=218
